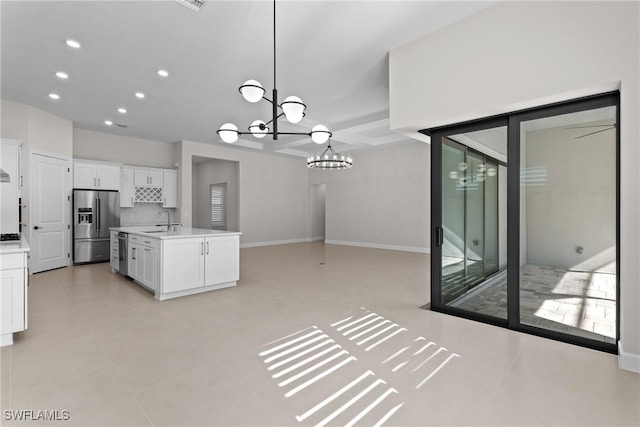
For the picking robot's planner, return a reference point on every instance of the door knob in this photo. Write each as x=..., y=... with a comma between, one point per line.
x=35, y=227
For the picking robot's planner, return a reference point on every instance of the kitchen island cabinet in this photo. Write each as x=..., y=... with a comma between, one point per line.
x=183, y=261
x=13, y=289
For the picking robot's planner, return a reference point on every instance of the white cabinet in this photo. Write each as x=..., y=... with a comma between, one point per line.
x=96, y=176
x=115, y=252
x=127, y=192
x=142, y=260
x=197, y=262
x=13, y=295
x=147, y=178
x=182, y=264
x=221, y=260
x=170, y=189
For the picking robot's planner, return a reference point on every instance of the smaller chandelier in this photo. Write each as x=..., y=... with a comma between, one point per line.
x=329, y=159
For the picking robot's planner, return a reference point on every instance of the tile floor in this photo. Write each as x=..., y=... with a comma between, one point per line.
x=574, y=302
x=102, y=348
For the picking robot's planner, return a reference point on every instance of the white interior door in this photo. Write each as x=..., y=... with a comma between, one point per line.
x=50, y=192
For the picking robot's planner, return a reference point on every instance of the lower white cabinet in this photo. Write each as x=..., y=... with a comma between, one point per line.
x=182, y=264
x=198, y=262
x=142, y=261
x=13, y=295
x=115, y=251
x=221, y=260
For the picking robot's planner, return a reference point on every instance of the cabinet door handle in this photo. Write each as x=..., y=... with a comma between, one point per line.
x=95, y=183
x=133, y=253
x=201, y=248
x=207, y=248
x=99, y=182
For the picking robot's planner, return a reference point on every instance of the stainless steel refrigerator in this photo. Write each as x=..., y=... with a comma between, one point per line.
x=93, y=213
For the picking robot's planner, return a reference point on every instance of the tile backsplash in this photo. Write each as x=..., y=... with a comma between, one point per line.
x=146, y=214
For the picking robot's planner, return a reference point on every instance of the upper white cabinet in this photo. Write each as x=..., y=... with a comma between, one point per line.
x=127, y=192
x=96, y=176
x=170, y=189
x=148, y=178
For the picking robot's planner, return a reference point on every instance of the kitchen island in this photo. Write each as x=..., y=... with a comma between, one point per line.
x=179, y=261
x=13, y=289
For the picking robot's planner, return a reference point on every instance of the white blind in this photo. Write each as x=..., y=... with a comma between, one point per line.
x=217, y=205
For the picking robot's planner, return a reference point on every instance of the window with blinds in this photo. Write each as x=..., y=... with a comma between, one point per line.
x=218, y=196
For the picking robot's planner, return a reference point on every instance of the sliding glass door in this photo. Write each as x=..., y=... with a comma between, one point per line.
x=471, y=273
x=525, y=221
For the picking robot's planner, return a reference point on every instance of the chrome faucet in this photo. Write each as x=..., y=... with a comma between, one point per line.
x=168, y=218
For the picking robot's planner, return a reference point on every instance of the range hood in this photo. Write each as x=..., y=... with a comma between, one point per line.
x=4, y=176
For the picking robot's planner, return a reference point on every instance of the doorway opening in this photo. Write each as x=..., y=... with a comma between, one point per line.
x=215, y=194
x=317, y=207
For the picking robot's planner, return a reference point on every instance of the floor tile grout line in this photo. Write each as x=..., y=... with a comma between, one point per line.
x=495, y=390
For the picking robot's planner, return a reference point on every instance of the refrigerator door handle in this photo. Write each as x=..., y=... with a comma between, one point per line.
x=98, y=225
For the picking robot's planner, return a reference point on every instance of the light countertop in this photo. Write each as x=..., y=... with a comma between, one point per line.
x=175, y=233
x=14, y=246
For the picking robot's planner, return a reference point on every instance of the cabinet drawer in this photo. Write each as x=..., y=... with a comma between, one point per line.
x=151, y=243
x=8, y=261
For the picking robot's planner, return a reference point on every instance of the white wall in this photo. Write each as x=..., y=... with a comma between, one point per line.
x=121, y=149
x=518, y=55
x=383, y=201
x=38, y=130
x=576, y=206
x=214, y=172
x=274, y=196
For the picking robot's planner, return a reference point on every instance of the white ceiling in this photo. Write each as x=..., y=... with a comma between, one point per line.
x=332, y=54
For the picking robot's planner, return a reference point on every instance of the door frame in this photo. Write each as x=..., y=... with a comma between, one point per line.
x=67, y=188
x=513, y=121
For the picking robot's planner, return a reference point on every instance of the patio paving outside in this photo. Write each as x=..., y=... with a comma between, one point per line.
x=573, y=302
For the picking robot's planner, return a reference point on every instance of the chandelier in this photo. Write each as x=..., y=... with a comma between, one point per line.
x=329, y=159
x=292, y=108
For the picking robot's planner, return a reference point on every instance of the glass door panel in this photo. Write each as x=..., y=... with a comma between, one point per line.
x=474, y=222
x=453, y=208
x=568, y=223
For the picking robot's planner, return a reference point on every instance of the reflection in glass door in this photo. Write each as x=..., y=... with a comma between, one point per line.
x=473, y=279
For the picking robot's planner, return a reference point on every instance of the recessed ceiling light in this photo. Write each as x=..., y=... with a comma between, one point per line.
x=72, y=43
x=54, y=96
x=62, y=75
x=139, y=95
x=108, y=122
x=163, y=73
x=122, y=110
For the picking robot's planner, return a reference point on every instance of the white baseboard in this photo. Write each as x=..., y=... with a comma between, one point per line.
x=274, y=243
x=628, y=361
x=380, y=246
x=317, y=239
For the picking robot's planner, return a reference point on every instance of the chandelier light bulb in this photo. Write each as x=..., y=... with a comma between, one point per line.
x=320, y=134
x=491, y=171
x=228, y=133
x=252, y=91
x=293, y=109
x=258, y=129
